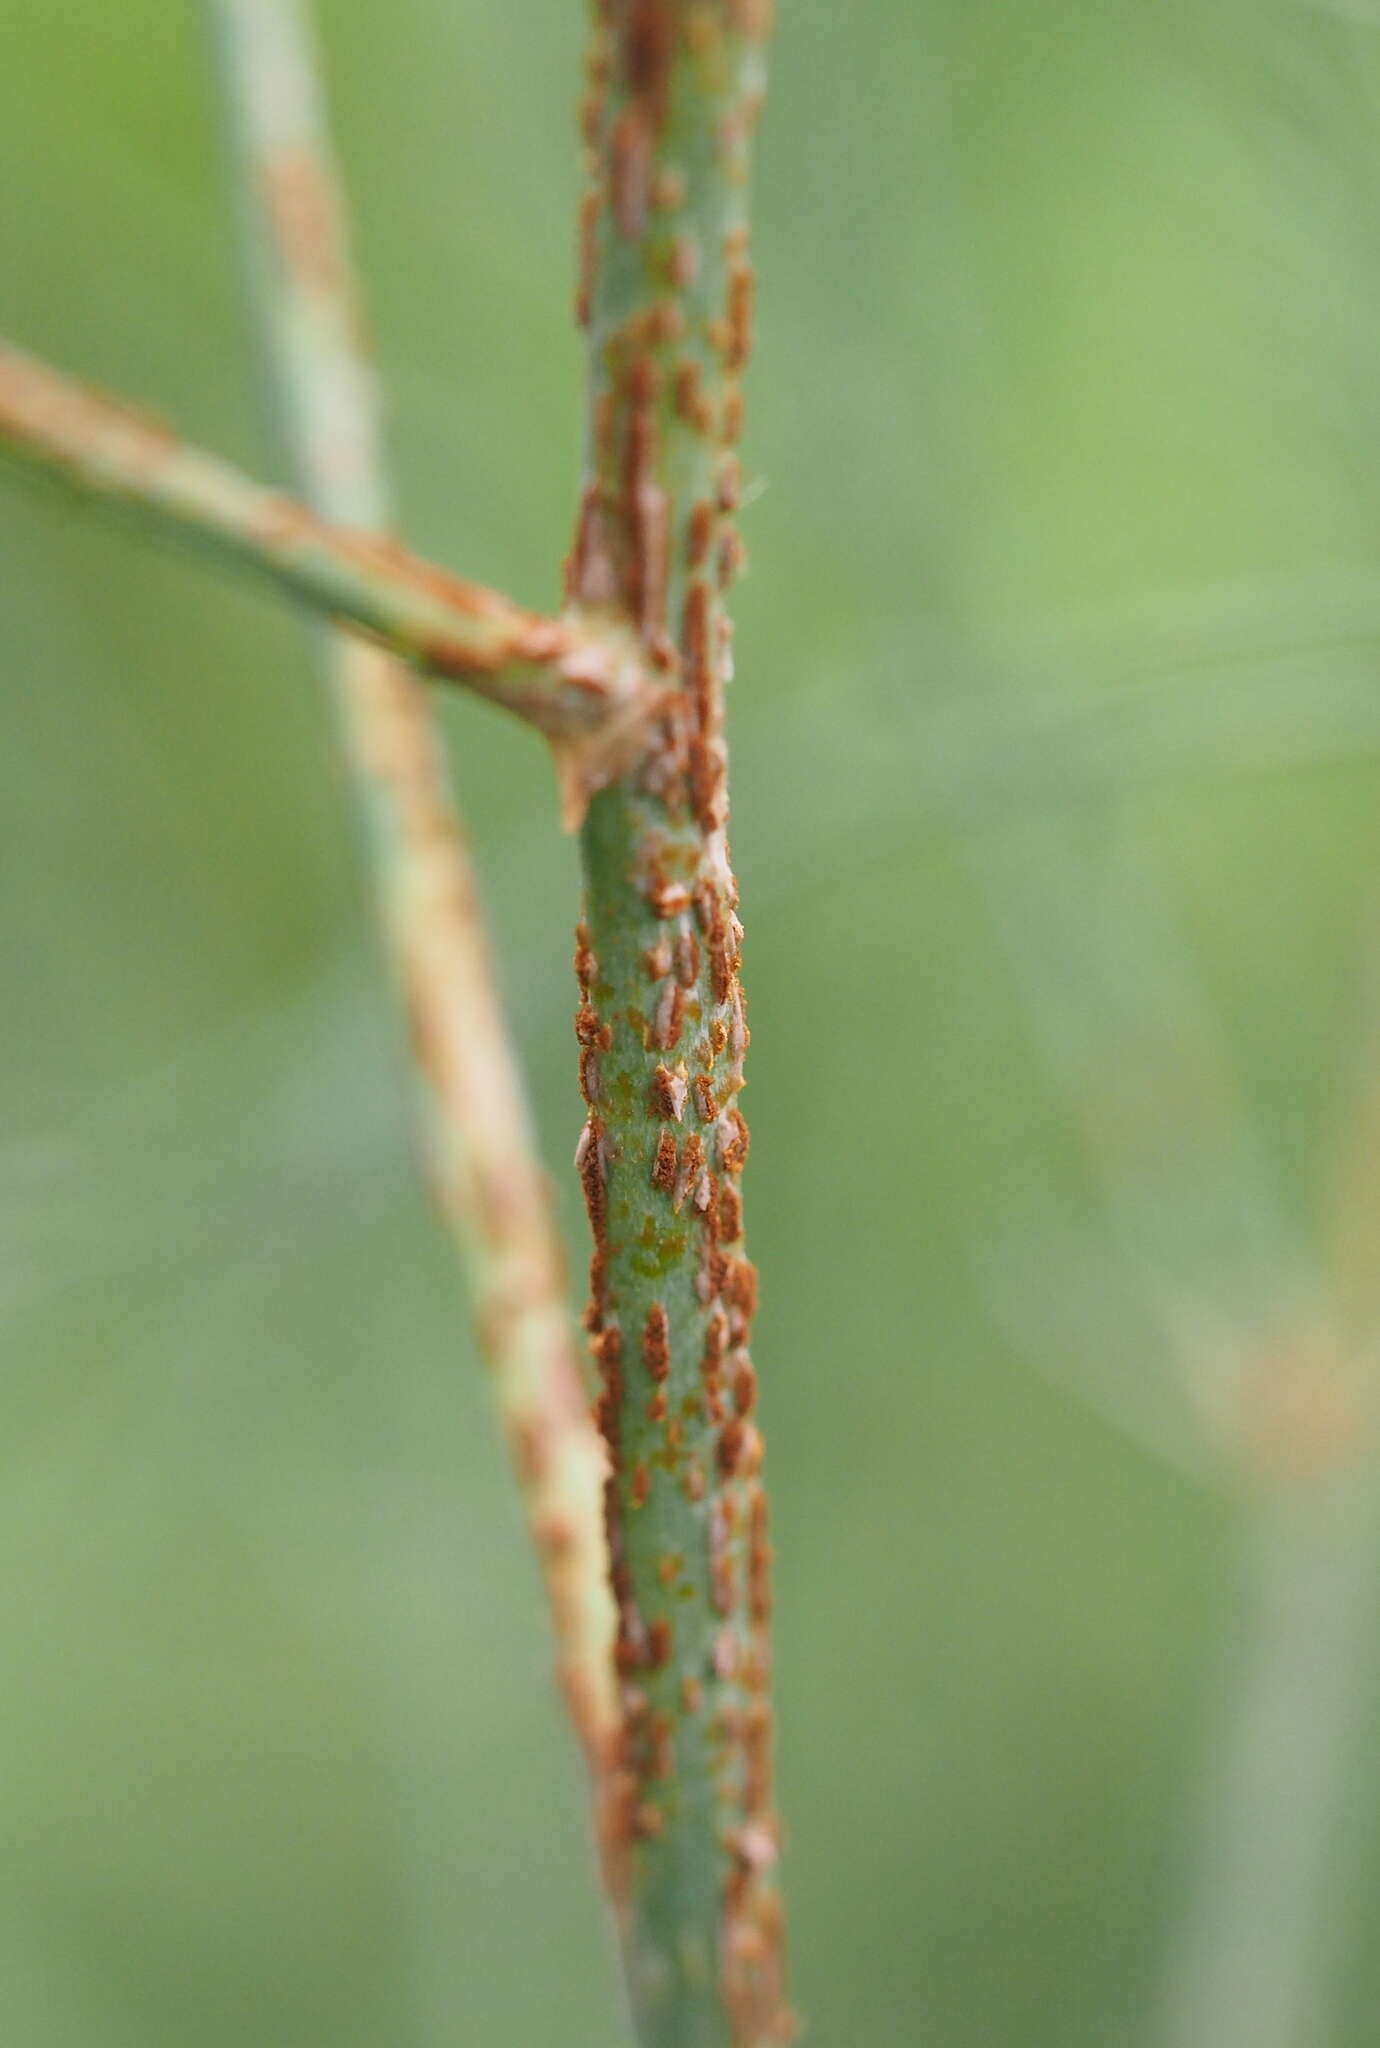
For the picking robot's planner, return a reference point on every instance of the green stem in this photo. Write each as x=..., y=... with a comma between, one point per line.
x=666, y=292
x=579, y=683
x=485, y=1171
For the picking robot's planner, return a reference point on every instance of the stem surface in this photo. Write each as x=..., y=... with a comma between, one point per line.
x=666, y=293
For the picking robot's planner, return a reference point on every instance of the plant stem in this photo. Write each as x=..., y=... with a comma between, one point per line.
x=1252, y=1952
x=485, y=1170
x=581, y=685
x=666, y=292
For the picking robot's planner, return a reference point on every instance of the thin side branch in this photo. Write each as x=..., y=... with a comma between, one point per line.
x=580, y=682
x=486, y=1173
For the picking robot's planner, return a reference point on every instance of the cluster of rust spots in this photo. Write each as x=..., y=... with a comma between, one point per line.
x=662, y=1070
x=593, y=1036
x=666, y=358
x=717, y=907
x=697, y=1155
x=738, y=1543
x=592, y=1152
x=708, y=1161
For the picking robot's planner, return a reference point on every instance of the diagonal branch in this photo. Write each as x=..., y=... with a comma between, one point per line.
x=486, y=1175
x=579, y=681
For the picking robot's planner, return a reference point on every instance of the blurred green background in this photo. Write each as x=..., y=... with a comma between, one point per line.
x=1055, y=772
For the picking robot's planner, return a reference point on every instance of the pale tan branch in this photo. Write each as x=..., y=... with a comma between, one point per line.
x=581, y=683
x=485, y=1170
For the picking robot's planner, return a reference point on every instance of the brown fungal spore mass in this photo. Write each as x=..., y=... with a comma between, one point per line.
x=666, y=295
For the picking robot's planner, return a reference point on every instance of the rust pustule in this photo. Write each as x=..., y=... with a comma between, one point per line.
x=630, y=167
x=692, y=402
x=656, y=1343
x=664, y=1163
x=590, y=1029
x=647, y=54
x=664, y=322
x=669, y=1018
x=690, y=1170
x=733, y=1140
x=742, y=284
x=668, y=189
x=589, y=221
x=699, y=534
x=684, y=260
x=740, y=1287
x=731, y=1443
x=589, y=1164
x=715, y=1346
x=669, y=1092
x=759, y=1560
x=586, y=966
x=590, y=576
x=752, y=18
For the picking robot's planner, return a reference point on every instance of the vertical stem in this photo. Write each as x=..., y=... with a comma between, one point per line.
x=484, y=1167
x=665, y=293
x=1250, y=1963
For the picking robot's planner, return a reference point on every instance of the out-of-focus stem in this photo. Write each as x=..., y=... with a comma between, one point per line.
x=1251, y=1957
x=665, y=293
x=583, y=687
x=484, y=1164
x=1253, y=1952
